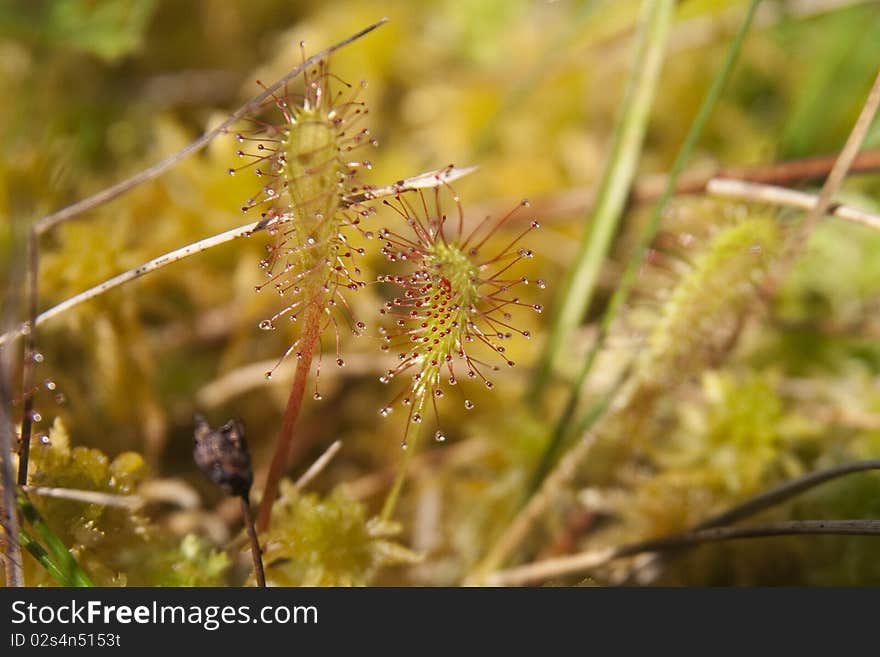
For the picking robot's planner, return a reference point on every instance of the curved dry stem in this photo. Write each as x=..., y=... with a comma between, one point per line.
x=559, y=477
x=71, y=211
x=318, y=466
x=420, y=181
x=773, y=195
x=764, y=501
x=786, y=491
x=585, y=561
x=86, y=496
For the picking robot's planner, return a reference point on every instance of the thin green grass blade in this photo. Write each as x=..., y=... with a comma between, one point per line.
x=621, y=294
x=62, y=560
x=613, y=190
x=39, y=553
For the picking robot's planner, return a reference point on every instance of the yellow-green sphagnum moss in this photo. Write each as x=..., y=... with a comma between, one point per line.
x=116, y=546
x=327, y=541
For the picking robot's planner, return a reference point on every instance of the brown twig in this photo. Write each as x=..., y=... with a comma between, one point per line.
x=792, y=172
x=585, y=561
x=29, y=359
x=766, y=500
x=256, y=550
x=786, y=491
x=648, y=189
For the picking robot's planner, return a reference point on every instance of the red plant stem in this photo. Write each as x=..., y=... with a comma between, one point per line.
x=308, y=342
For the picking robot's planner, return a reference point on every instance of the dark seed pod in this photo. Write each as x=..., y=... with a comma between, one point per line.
x=222, y=454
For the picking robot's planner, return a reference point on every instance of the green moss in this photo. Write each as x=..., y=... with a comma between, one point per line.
x=325, y=542
x=193, y=563
x=740, y=439
x=115, y=546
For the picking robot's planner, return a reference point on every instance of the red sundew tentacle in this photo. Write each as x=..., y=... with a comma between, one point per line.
x=291, y=283
x=457, y=202
x=508, y=266
x=271, y=320
x=259, y=140
x=496, y=348
x=349, y=315
x=420, y=233
x=507, y=302
x=507, y=249
x=474, y=371
x=401, y=241
x=447, y=307
x=501, y=257
x=264, y=154
x=494, y=321
x=278, y=103
x=272, y=278
x=339, y=361
x=415, y=221
x=498, y=224
x=291, y=349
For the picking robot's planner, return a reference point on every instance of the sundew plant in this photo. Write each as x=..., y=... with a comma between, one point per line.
x=496, y=293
